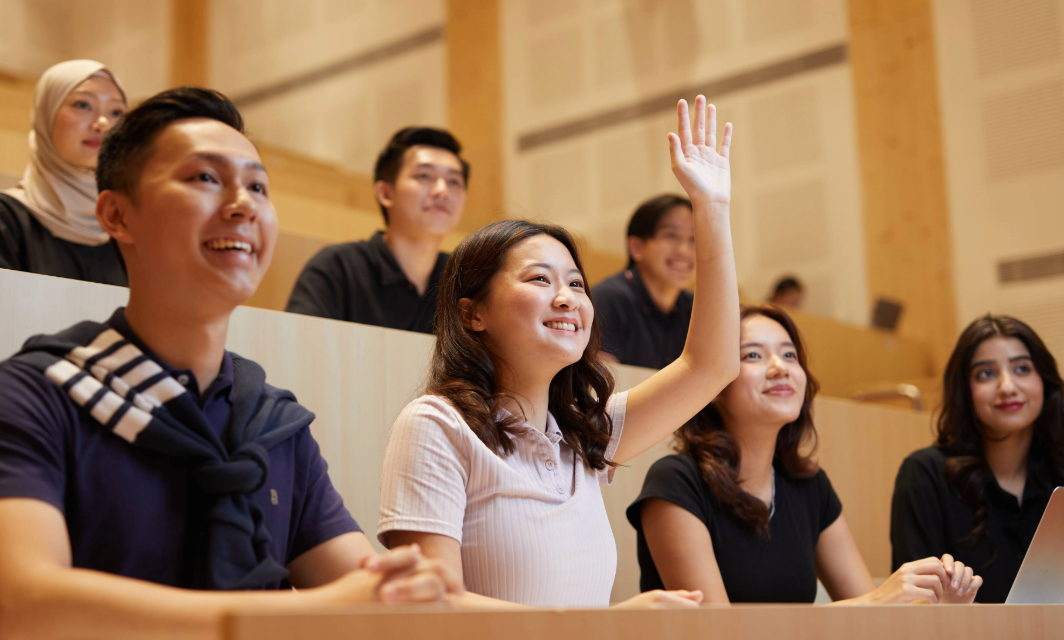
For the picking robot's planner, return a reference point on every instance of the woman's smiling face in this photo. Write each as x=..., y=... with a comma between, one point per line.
x=1007, y=391
x=86, y=115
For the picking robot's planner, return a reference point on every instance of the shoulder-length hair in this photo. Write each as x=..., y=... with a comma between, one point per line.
x=465, y=371
x=709, y=443
x=961, y=436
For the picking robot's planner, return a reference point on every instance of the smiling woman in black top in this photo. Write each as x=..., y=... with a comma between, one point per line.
x=744, y=516
x=982, y=488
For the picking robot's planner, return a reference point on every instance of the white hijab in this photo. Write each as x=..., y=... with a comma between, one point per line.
x=61, y=194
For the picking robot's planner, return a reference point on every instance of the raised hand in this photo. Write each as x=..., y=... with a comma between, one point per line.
x=702, y=168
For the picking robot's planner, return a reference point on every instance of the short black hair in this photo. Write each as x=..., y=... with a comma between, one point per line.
x=390, y=160
x=647, y=217
x=786, y=283
x=127, y=147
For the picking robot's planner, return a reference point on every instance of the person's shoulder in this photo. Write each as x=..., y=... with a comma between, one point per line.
x=434, y=409
x=13, y=212
x=31, y=400
x=922, y=467
x=345, y=252
x=675, y=465
x=613, y=286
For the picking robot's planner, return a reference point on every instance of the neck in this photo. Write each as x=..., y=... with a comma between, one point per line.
x=1008, y=458
x=180, y=336
x=757, y=448
x=528, y=396
x=416, y=256
x=663, y=293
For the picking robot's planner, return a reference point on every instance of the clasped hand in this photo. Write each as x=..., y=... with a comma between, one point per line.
x=931, y=580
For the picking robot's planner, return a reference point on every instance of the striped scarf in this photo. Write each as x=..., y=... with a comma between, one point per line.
x=129, y=394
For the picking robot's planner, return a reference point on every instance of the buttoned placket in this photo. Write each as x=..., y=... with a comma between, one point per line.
x=550, y=460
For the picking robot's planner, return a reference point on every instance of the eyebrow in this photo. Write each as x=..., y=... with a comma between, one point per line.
x=1012, y=359
x=762, y=345
x=548, y=267
x=429, y=165
x=105, y=96
x=218, y=158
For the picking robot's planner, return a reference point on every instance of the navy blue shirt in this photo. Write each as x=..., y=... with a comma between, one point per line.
x=140, y=514
x=634, y=330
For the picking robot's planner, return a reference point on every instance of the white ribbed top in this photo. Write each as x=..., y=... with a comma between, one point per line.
x=532, y=525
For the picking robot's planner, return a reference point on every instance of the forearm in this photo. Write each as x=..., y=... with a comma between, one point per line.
x=713, y=335
x=78, y=603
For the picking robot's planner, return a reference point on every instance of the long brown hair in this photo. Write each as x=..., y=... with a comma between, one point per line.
x=706, y=440
x=961, y=436
x=464, y=370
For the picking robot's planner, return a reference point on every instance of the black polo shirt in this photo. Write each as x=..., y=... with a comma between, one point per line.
x=363, y=282
x=927, y=518
x=26, y=245
x=133, y=512
x=634, y=329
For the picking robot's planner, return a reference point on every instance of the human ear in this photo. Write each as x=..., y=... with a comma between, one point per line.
x=471, y=320
x=112, y=211
x=636, y=248
x=385, y=193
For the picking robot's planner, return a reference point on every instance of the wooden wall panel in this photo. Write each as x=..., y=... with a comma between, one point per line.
x=899, y=132
x=188, y=42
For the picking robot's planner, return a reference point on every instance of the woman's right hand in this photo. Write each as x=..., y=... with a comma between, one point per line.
x=689, y=599
x=917, y=581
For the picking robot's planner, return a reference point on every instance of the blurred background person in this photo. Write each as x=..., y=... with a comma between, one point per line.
x=48, y=222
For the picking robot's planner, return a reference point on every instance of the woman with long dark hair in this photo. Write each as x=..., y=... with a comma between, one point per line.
x=496, y=470
x=742, y=513
x=998, y=455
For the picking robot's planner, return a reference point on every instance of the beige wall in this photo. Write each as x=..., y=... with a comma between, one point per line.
x=130, y=36
x=1001, y=75
x=797, y=199
x=346, y=118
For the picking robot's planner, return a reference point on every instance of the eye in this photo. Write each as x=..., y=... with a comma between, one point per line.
x=753, y=355
x=455, y=183
x=203, y=177
x=1024, y=368
x=577, y=284
x=791, y=354
x=423, y=176
x=118, y=113
x=540, y=279
x=80, y=104
x=984, y=374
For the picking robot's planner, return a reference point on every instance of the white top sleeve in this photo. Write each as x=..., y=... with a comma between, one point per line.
x=426, y=468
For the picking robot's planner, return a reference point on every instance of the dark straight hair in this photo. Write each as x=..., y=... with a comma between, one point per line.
x=706, y=440
x=961, y=436
x=127, y=147
x=465, y=371
x=644, y=222
x=390, y=160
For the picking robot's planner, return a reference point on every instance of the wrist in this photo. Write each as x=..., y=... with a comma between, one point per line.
x=359, y=585
x=711, y=205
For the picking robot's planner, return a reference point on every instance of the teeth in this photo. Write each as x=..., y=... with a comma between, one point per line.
x=229, y=245
x=564, y=326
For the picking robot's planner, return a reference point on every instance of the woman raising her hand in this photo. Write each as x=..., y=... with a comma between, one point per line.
x=496, y=469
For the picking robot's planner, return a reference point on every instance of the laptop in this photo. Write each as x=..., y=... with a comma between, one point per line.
x=1041, y=576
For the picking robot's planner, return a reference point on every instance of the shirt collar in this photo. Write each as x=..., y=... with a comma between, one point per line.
x=553, y=432
x=390, y=272
x=222, y=384
x=635, y=282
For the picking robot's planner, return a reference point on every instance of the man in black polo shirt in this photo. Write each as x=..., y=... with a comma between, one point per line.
x=644, y=311
x=144, y=469
x=392, y=279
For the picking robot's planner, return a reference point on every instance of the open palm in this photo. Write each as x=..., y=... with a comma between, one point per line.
x=702, y=168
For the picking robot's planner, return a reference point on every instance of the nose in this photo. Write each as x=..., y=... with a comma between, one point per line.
x=777, y=368
x=440, y=190
x=240, y=206
x=566, y=299
x=101, y=124
x=1007, y=386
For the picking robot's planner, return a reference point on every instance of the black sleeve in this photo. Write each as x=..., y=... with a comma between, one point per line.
x=319, y=291
x=917, y=529
x=675, y=479
x=10, y=239
x=613, y=323
x=830, y=505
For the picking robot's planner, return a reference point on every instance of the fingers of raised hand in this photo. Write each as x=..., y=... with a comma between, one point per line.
x=683, y=124
x=725, y=143
x=699, y=138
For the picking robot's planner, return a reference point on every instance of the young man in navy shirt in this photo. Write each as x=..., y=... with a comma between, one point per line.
x=148, y=477
x=392, y=279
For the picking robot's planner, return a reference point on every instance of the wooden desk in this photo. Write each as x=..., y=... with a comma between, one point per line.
x=748, y=622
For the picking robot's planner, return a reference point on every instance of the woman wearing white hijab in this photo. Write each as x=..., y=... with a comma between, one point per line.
x=48, y=223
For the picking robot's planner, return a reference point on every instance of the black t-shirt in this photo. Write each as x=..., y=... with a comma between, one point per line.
x=927, y=518
x=26, y=245
x=363, y=282
x=634, y=329
x=780, y=568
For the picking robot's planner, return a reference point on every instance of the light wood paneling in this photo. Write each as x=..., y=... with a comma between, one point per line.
x=474, y=98
x=188, y=42
x=739, y=622
x=906, y=214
